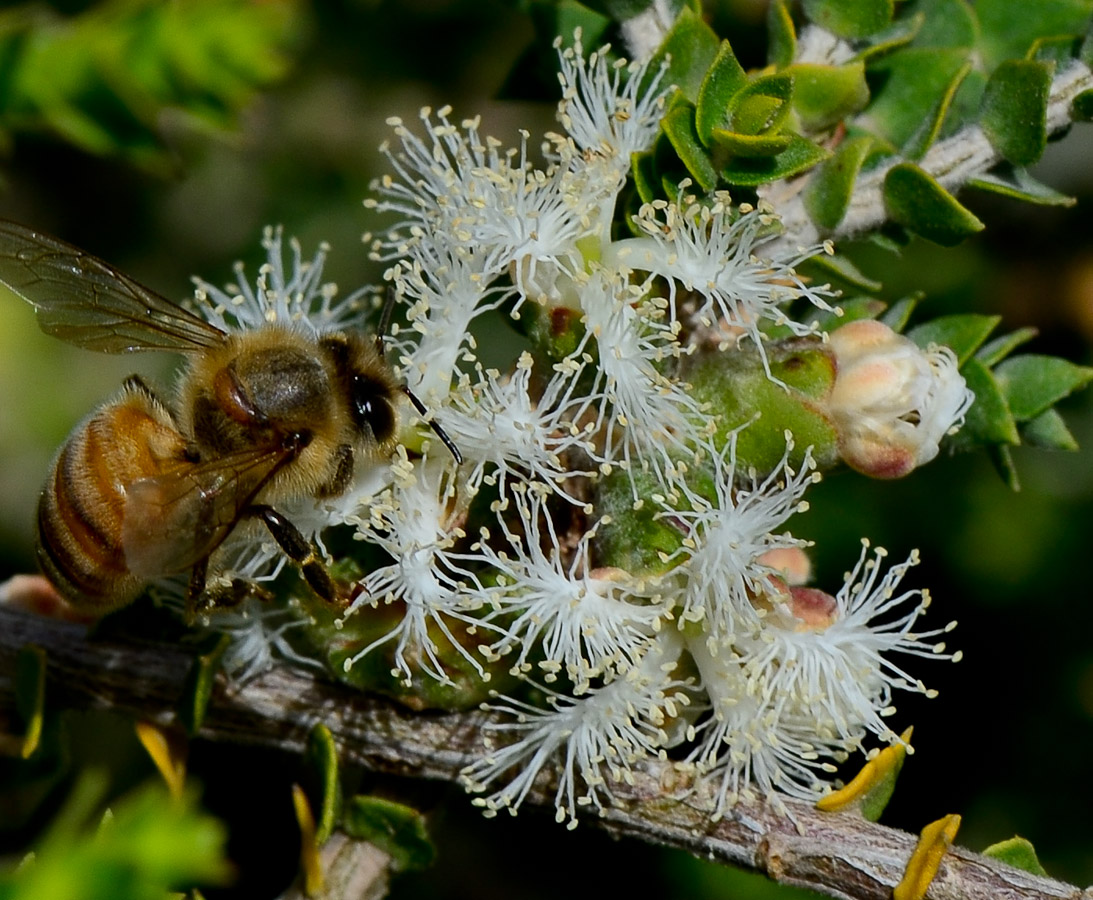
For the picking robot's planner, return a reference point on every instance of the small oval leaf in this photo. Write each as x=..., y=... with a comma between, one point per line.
x=918, y=203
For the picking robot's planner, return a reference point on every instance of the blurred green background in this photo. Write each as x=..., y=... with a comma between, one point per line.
x=1006, y=742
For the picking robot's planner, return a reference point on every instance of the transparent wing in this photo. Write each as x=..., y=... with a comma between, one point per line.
x=87, y=302
x=177, y=518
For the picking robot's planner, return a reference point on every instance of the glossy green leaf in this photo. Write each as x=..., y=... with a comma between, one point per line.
x=679, y=126
x=1017, y=184
x=690, y=49
x=1017, y=852
x=918, y=203
x=1006, y=35
x=763, y=105
x=1049, y=432
x=321, y=763
x=828, y=191
x=396, y=829
x=989, y=421
x=1033, y=383
x=993, y=352
x=30, y=695
x=722, y=82
x=851, y=19
x=801, y=155
x=781, y=35
x=1014, y=107
x=199, y=684
x=825, y=95
x=964, y=334
x=908, y=87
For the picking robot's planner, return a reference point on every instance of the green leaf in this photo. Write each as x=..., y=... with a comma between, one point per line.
x=1017, y=852
x=763, y=105
x=30, y=695
x=781, y=35
x=993, y=352
x=899, y=34
x=321, y=763
x=964, y=334
x=924, y=137
x=1049, y=432
x=823, y=266
x=1002, y=458
x=1008, y=33
x=690, y=48
x=899, y=313
x=1081, y=108
x=989, y=421
x=947, y=23
x=801, y=155
x=825, y=95
x=643, y=168
x=918, y=203
x=729, y=144
x=722, y=82
x=909, y=86
x=852, y=308
x=1017, y=184
x=396, y=829
x=1033, y=383
x=1014, y=110
x=850, y=19
x=827, y=193
x=199, y=684
x=679, y=126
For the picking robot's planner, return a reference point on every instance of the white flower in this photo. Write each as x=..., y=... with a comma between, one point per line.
x=504, y=432
x=596, y=739
x=409, y=522
x=723, y=568
x=713, y=252
x=584, y=621
x=892, y=401
x=298, y=297
x=643, y=414
x=605, y=113
x=751, y=744
x=836, y=662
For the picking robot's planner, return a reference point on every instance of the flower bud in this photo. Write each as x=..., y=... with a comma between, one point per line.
x=892, y=401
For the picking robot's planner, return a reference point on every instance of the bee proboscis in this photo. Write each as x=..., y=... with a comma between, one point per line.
x=143, y=489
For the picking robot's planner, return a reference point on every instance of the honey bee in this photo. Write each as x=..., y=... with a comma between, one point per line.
x=139, y=490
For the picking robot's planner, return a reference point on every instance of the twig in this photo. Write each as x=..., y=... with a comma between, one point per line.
x=952, y=162
x=838, y=854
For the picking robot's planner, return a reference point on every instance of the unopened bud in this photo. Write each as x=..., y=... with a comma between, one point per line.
x=814, y=609
x=791, y=563
x=892, y=401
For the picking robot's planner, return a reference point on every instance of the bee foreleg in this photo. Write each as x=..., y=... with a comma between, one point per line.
x=302, y=552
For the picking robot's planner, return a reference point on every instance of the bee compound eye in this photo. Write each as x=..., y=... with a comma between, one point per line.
x=370, y=406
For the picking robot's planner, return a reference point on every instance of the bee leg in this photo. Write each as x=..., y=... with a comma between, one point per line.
x=195, y=589
x=302, y=552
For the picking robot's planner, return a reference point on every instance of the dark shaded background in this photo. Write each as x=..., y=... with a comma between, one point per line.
x=1007, y=742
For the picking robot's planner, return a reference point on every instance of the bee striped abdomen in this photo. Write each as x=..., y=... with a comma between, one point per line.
x=82, y=508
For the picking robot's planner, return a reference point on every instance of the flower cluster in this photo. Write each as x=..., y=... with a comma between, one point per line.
x=610, y=548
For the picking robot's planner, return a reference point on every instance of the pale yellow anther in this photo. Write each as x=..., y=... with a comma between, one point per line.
x=933, y=843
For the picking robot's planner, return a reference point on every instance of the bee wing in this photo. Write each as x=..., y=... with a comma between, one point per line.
x=87, y=302
x=177, y=518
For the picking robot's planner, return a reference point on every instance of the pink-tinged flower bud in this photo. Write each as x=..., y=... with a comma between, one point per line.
x=791, y=563
x=892, y=401
x=814, y=609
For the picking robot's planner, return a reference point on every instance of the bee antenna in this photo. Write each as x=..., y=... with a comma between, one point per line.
x=382, y=328
x=433, y=424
